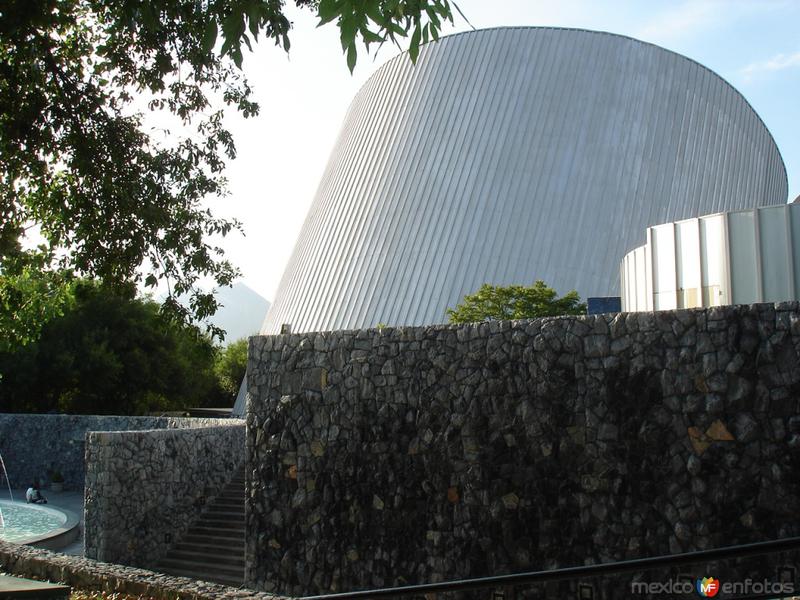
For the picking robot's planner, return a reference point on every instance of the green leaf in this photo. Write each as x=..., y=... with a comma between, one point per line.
x=370, y=36
x=395, y=29
x=352, y=56
x=373, y=10
x=348, y=27
x=210, y=36
x=435, y=33
x=328, y=11
x=435, y=23
x=254, y=12
x=226, y=46
x=413, y=48
x=236, y=55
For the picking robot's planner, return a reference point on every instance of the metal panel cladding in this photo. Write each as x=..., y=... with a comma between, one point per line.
x=737, y=257
x=510, y=155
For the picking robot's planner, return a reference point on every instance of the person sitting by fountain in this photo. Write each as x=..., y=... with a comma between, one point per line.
x=34, y=496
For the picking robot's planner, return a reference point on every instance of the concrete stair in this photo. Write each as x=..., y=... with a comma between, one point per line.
x=213, y=548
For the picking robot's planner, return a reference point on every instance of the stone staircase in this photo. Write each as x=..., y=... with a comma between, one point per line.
x=213, y=548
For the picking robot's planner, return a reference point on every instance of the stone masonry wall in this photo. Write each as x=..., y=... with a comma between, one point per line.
x=34, y=445
x=144, y=488
x=411, y=455
x=90, y=575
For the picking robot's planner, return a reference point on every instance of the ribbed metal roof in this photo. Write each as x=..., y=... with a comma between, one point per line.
x=509, y=155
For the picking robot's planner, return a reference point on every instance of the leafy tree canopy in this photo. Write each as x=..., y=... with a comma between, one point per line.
x=230, y=366
x=515, y=302
x=111, y=198
x=30, y=296
x=110, y=352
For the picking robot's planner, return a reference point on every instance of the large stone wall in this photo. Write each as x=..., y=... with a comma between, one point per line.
x=410, y=455
x=144, y=488
x=34, y=445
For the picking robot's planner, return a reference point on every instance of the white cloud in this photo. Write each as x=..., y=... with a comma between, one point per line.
x=693, y=17
x=778, y=62
x=682, y=20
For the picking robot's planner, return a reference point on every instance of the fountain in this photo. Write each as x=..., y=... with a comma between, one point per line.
x=42, y=526
x=10, y=494
x=8, y=481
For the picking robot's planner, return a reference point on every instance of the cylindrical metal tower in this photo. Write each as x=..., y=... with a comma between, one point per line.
x=510, y=155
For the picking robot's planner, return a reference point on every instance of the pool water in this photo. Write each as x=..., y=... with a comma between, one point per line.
x=25, y=521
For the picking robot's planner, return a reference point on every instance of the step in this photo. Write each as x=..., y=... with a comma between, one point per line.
x=224, y=516
x=228, y=501
x=221, y=558
x=218, y=532
x=234, y=508
x=226, y=524
x=208, y=546
x=237, y=518
x=230, y=497
x=234, y=512
x=213, y=547
x=237, y=526
x=214, y=540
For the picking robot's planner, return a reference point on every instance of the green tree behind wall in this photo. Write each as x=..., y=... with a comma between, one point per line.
x=229, y=368
x=501, y=303
x=110, y=353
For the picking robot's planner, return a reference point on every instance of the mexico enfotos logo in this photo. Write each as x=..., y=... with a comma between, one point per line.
x=709, y=587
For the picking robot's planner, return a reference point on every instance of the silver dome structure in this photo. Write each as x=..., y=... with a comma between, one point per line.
x=509, y=155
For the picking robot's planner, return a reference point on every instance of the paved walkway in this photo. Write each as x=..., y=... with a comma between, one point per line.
x=17, y=587
x=69, y=500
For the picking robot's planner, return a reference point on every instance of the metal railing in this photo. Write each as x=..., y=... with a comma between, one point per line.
x=580, y=572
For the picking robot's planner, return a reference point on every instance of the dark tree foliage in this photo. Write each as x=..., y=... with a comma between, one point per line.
x=499, y=303
x=111, y=198
x=229, y=368
x=110, y=353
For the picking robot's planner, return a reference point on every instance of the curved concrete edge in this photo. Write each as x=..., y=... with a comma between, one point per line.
x=55, y=538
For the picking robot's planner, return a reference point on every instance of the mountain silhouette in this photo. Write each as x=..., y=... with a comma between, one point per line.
x=241, y=312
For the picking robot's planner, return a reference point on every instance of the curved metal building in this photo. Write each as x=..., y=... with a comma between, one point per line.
x=736, y=257
x=510, y=155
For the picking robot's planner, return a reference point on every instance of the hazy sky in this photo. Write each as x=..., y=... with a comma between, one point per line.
x=751, y=43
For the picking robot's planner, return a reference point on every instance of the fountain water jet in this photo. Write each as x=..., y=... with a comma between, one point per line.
x=10, y=494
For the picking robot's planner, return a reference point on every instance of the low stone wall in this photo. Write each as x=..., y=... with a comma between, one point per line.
x=410, y=455
x=33, y=445
x=144, y=488
x=91, y=575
